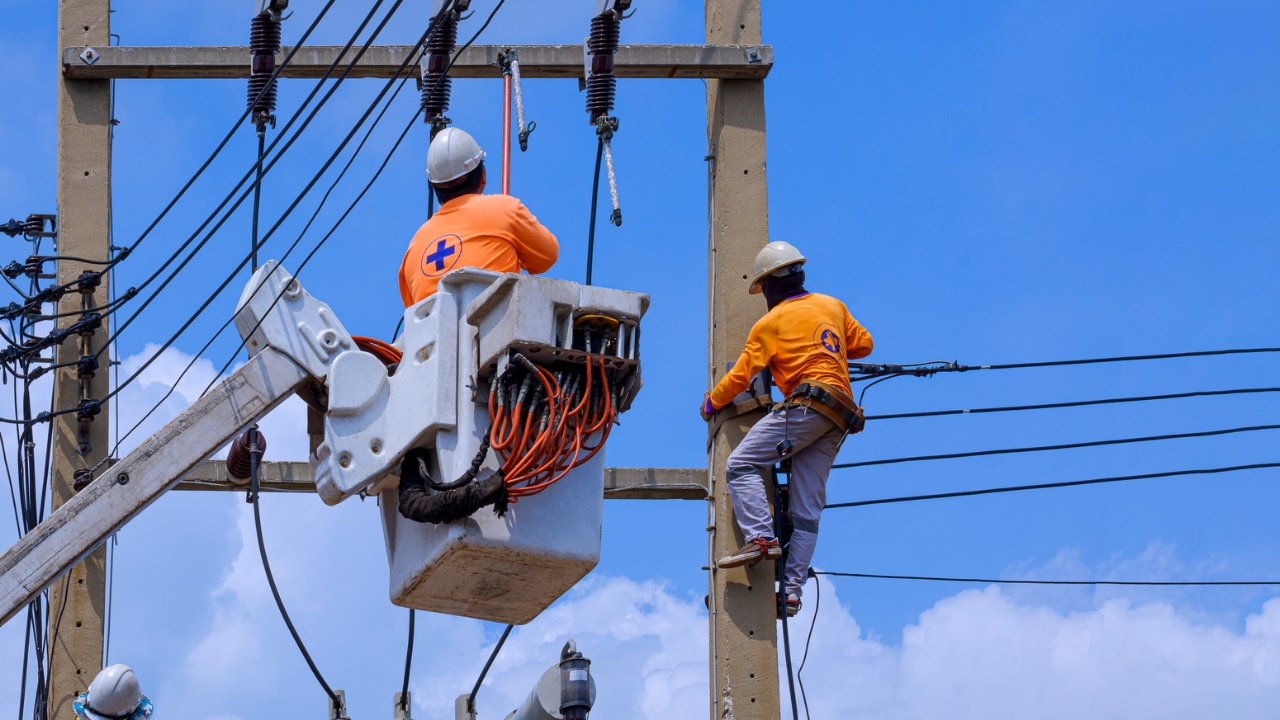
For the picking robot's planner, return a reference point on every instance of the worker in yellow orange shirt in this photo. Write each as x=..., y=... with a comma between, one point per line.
x=806, y=340
x=492, y=232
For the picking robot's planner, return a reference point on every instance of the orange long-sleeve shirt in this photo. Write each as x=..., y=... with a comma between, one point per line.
x=493, y=232
x=808, y=337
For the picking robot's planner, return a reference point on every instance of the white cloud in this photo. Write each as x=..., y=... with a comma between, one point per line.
x=285, y=427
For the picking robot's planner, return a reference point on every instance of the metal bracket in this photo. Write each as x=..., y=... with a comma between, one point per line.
x=89, y=56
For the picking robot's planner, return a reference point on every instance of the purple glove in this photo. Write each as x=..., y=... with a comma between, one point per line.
x=707, y=408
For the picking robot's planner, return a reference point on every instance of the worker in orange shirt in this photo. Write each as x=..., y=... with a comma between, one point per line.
x=492, y=232
x=806, y=340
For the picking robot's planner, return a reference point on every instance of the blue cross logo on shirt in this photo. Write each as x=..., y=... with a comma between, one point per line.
x=441, y=255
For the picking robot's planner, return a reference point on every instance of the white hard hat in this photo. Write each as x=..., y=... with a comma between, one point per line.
x=453, y=153
x=775, y=256
x=113, y=695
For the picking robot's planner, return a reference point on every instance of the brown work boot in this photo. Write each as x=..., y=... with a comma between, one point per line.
x=751, y=553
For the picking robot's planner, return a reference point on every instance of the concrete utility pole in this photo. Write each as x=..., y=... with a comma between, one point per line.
x=84, y=217
x=744, y=643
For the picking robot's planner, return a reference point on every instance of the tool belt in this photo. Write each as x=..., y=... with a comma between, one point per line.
x=831, y=402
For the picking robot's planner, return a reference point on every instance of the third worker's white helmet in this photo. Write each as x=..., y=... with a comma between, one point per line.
x=774, y=257
x=453, y=154
x=113, y=695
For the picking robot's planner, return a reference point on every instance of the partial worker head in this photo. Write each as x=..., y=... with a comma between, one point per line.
x=113, y=695
x=455, y=165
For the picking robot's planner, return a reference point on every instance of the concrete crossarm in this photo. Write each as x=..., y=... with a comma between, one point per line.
x=725, y=62
x=117, y=495
x=619, y=483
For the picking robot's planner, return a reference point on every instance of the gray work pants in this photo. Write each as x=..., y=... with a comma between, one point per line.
x=814, y=441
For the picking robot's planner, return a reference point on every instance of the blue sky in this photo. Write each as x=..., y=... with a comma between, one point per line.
x=995, y=182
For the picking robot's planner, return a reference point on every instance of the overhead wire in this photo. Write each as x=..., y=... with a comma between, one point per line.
x=877, y=369
x=363, y=192
x=1130, y=583
x=1075, y=403
x=430, y=30
x=254, y=460
x=235, y=126
x=1046, y=486
x=1063, y=446
x=817, y=605
x=471, y=699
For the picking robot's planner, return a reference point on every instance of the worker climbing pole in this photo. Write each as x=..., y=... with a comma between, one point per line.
x=264, y=43
x=601, y=87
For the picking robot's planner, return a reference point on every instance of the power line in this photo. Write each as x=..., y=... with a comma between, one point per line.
x=356, y=201
x=921, y=369
x=1046, y=486
x=471, y=699
x=1075, y=403
x=1065, y=446
x=986, y=581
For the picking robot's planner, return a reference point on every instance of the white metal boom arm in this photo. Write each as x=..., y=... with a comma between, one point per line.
x=303, y=338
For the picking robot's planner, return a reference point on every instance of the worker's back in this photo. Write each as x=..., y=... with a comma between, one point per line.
x=493, y=232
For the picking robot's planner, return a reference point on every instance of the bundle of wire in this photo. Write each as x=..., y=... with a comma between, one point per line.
x=542, y=421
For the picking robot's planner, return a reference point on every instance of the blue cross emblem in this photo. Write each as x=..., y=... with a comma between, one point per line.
x=441, y=255
x=830, y=341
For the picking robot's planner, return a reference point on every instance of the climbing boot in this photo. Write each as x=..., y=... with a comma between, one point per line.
x=751, y=553
x=793, y=605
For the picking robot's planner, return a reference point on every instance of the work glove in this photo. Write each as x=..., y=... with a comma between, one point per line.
x=708, y=409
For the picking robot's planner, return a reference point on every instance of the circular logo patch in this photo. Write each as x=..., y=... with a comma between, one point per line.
x=441, y=255
x=828, y=338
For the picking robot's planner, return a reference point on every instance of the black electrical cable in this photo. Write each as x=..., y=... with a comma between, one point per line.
x=266, y=566
x=782, y=594
x=430, y=31
x=1075, y=403
x=377, y=100
x=1065, y=446
x=408, y=665
x=955, y=367
x=985, y=581
x=354, y=203
x=1046, y=486
x=471, y=699
x=235, y=126
x=595, y=198
x=254, y=169
x=817, y=605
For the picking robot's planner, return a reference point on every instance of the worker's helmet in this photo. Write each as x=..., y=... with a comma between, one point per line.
x=453, y=154
x=113, y=695
x=775, y=256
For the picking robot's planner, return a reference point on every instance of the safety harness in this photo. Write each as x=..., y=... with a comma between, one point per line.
x=828, y=400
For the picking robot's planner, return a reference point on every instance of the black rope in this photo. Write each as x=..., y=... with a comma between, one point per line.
x=1076, y=403
x=471, y=699
x=408, y=665
x=985, y=581
x=595, y=198
x=257, y=200
x=1065, y=446
x=1046, y=486
x=817, y=605
x=266, y=566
